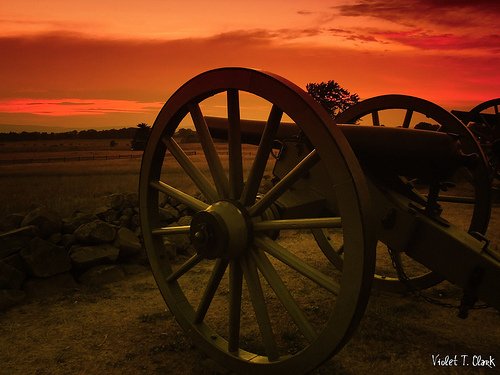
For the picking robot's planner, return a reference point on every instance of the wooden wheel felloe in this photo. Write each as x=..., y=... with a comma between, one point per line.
x=253, y=311
x=487, y=106
x=407, y=111
x=487, y=130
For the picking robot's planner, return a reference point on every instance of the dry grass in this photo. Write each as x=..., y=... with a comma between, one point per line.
x=62, y=145
x=124, y=328
x=65, y=187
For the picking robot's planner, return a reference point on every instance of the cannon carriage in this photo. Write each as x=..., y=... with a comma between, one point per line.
x=297, y=253
x=484, y=122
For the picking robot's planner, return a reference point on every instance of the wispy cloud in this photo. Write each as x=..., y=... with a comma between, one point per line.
x=428, y=24
x=462, y=13
x=354, y=36
x=427, y=41
x=76, y=107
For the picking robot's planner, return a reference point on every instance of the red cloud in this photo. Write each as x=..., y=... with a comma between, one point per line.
x=76, y=107
x=427, y=41
x=460, y=14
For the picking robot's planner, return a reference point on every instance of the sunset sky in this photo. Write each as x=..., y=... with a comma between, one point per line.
x=103, y=63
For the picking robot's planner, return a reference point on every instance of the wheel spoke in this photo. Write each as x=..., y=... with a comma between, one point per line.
x=234, y=145
x=306, y=223
x=259, y=164
x=259, y=306
x=407, y=120
x=163, y=231
x=208, y=295
x=285, y=183
x=235, y=287
x=211, y=155
x=375, y=118
x=182, y=197
x=279, y=252
x=191, y=170
x=282, y=292
x=185, y=267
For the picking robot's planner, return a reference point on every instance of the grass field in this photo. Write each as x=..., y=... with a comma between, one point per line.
x=126, y=329
x=76, y=185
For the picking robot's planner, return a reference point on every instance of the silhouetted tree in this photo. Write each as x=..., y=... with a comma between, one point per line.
x=141, y=137
x=124, y=133
x=184, y=135
x=332, y=96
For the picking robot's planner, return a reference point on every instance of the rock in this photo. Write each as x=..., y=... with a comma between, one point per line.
x=170, y=249
x=95, y=232
x=127, y=242
x=16, y=240
x=168, y=214
x=71, y=224
x=132, y=199
x=47, y=221
x=16, y=261
x=116, y=201
x=45, y=259
x=182, y=242
x=55, y=238
x=102, y=274
x=185, y=220
x=135, y=221
x=84, y=257
x=183, y=209
x=172, y=201
x=10, y=277
x=45, y=287
x=129, y=211
x=107, y=214
x=10, y=297
x=124, y=221
x=68, y=240
x=10, y=222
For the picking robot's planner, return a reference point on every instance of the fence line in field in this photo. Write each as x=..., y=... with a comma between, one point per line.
x=90, y=157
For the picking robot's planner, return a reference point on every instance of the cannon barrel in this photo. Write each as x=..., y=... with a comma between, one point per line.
x=381, y=150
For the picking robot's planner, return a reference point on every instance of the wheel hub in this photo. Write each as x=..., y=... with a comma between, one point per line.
x=221, y=231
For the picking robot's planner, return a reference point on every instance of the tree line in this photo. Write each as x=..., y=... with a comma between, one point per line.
x=330, y=95
x=126, y=133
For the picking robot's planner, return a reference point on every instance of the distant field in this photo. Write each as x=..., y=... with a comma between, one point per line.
x=60, y=145
x=71, y=185
x=65, y=150
x=68, y=186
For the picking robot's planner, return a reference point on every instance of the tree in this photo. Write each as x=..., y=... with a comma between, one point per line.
x=186, y=136
x=141, y=137
x=332, y=96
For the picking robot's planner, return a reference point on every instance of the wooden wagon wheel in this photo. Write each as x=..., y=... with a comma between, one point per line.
x=371, y=112
x=229, y=233
x=486, y=106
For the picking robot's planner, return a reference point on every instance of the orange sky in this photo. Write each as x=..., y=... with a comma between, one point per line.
x=110, y=63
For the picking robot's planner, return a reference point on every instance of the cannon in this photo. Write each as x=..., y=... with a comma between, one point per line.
x=285, y=243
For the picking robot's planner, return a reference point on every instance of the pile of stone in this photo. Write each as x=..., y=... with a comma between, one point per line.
x=40, y=250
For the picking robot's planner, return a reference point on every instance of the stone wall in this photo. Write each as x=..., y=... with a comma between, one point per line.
x=40, y=250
